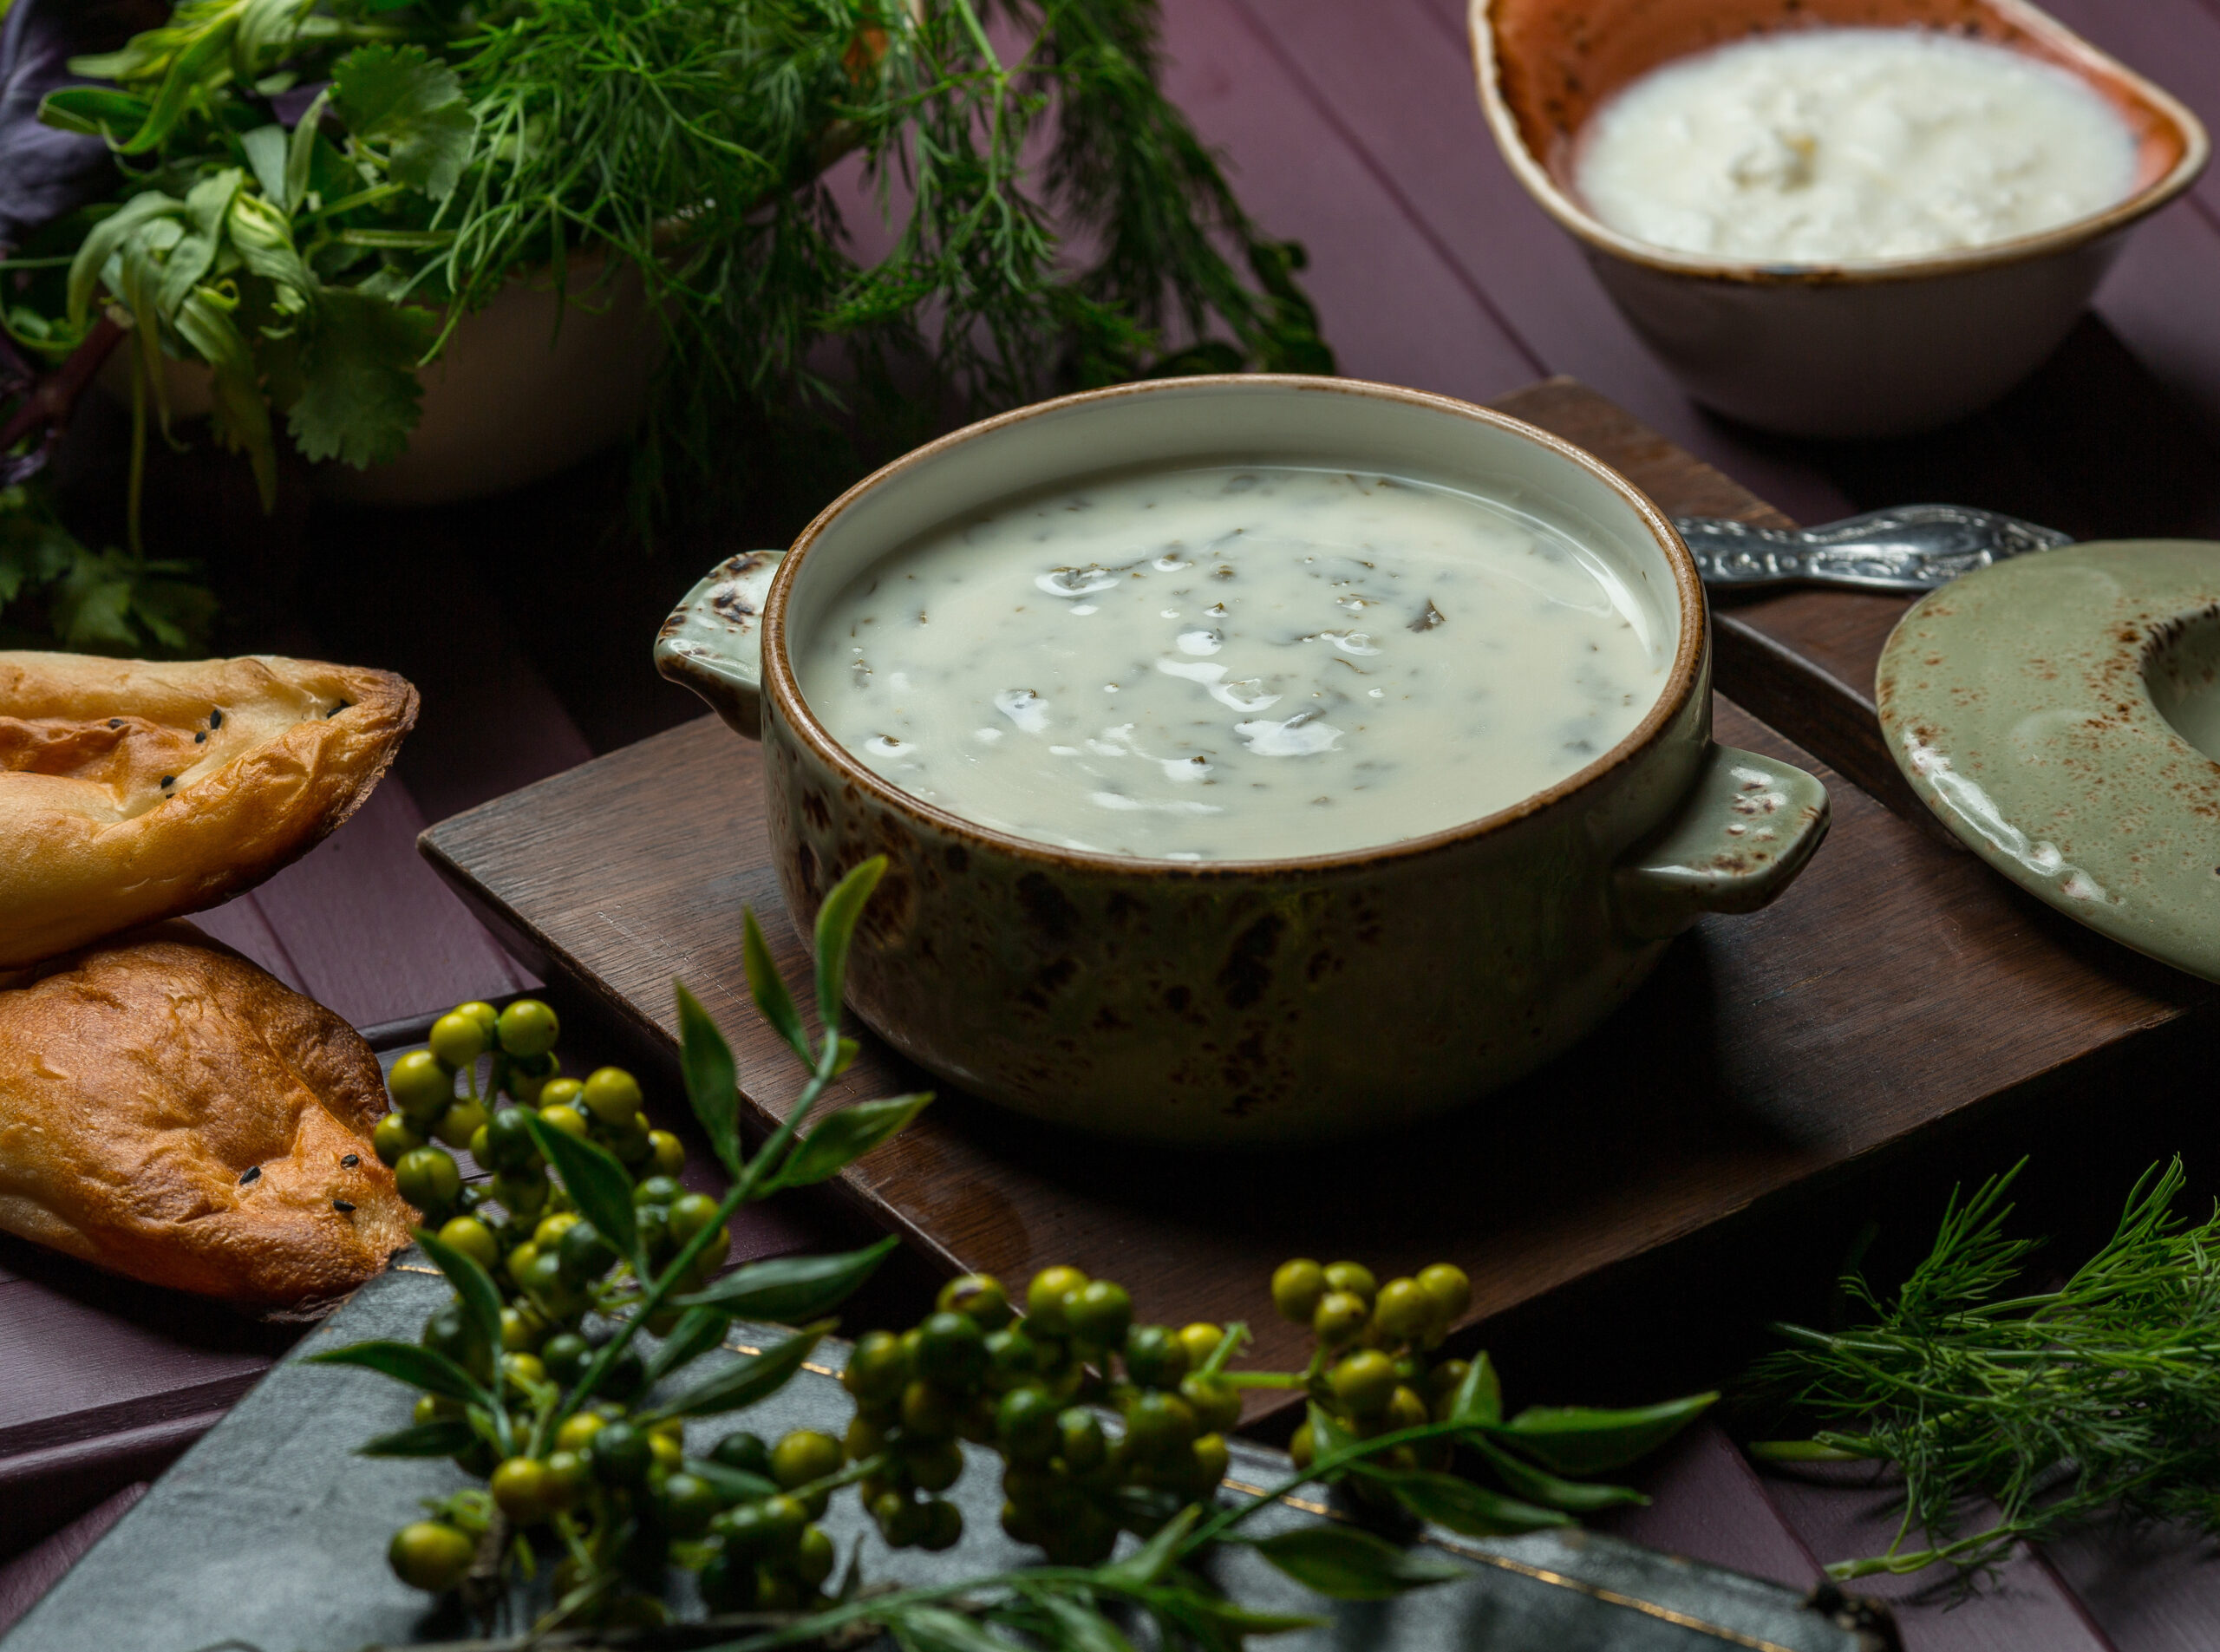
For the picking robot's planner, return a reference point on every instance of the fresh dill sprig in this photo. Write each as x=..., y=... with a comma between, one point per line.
x=2061, y=1407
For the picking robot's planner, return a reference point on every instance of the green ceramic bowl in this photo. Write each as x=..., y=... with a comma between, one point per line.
x=1257, y=1001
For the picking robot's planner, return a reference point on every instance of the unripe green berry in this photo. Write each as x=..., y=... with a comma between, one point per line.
x=1340, y=1318
x=1296, y=1288
x=421, y=1086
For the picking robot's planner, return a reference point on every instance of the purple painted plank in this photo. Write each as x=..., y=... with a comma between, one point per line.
x=2154, y=1589
x=1839, y=1516
x=1395, y=307
x=1709, y=1505
x=2159, y=299
x=371, y=931
x=69, y=1358
x=241, y=923
x=1397, y=78
x=30, y=1574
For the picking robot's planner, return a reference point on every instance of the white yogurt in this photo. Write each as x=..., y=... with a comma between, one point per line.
x=1230, y=662
x=1845, y=145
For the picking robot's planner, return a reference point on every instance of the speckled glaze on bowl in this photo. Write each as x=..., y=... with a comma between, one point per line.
x=2060, y=713
x=1259, y=1001
x=1886, y=347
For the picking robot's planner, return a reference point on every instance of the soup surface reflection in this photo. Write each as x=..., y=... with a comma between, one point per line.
x=1235, y=663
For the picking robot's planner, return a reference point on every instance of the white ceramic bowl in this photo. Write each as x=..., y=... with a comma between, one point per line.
x=1882, y=349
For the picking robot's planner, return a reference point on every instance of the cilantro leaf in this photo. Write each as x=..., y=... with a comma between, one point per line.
x=358, y=392
x=397, y=97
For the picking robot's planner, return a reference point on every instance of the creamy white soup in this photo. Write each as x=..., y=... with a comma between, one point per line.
x=1845, y=145
x=1235, y=663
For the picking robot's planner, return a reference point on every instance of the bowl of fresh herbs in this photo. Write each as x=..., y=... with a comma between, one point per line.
x=566, y=216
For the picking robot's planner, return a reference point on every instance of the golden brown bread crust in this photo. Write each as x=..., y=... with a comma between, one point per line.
x=262, y=756
x=142, y=1078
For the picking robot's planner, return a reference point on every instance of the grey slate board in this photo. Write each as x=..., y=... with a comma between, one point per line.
x=269, y=1532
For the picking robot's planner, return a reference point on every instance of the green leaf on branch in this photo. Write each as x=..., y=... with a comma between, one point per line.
x=358, y=392
x=1081, y=1629
x=733, y=1485
x=1447, y=1500
x=104, y=240
x=848, y=1136
x=1211, y=1613
x=241, y=416
x=481, y=1297
x=207, y=204
x=1575, y=1440
x=420, y=1368
x=1345, y=1563
x=773, y=1001
x=1150, y=1562
x=836, y=929
x=712, y=1080
x=93, y=112
x=792, y=1289
x=936, y=1629
x=1479, y=1398
x=410, y=106
x=444, y=1437
x=596, y=1182
x=300, y=153
x=1329, y=1436
x=698, y=1331
x=1581, y=1496
x=748, y=1379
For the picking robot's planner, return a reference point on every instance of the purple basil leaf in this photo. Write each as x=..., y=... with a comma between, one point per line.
x=43, y=173
x=289, y=105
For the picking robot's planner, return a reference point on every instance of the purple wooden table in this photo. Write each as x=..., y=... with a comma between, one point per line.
x=1354, y=130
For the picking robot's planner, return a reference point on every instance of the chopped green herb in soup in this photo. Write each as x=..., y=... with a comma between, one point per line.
x=1235, y=663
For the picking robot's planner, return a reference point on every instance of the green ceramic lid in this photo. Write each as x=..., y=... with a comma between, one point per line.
x=2045, y=707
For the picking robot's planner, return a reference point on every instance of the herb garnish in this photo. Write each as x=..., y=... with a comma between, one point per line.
x=2100, y=1397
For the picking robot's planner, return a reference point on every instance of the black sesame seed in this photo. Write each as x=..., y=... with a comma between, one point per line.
x=116, y=723
x=200, y=737
x=216, y=719
x=252, y=1172
x=343, y=705
x=169, y=779
x=342, y=1206
x=349, y=1160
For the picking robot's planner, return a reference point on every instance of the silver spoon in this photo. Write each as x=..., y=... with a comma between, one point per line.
x=1912, y=547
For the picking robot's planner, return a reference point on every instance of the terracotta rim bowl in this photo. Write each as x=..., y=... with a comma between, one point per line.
x=1545, y=66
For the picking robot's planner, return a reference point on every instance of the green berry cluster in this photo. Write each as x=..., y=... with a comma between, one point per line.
x=427, y=1107
x=769, y=1555
x=1037, y=1390
x=1375, y=1370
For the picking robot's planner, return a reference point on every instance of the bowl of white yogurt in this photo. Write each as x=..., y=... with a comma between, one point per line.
x=1257, y=759
x=1834, y=218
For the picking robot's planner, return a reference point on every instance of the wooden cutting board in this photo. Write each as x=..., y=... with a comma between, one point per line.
x=1896, y=984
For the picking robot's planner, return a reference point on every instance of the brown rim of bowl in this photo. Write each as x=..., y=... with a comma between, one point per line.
x=780, y=682
x=1560, y=204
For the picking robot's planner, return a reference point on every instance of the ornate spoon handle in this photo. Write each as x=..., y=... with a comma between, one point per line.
x=1912, y=547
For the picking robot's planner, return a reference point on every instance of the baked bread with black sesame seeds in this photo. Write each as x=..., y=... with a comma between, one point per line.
x=170, y=1112
x=133, y=790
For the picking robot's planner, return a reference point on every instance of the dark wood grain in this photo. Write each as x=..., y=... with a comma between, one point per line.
x=1896, y=985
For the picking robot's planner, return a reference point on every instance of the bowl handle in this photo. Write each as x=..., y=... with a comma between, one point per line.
x=1743, y=832
x=713, y=642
